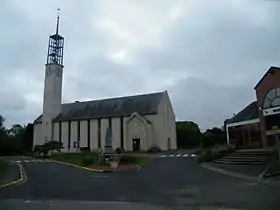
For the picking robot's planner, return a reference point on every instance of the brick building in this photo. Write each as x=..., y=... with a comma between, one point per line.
x=257, y=125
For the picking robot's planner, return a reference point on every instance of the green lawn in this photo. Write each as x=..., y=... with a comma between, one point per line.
x=86, y=159
x=3, y=167
x=273, y=168
x=82, y=159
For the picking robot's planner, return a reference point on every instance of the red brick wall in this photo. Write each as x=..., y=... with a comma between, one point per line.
x=272, y=80
x=269, y=82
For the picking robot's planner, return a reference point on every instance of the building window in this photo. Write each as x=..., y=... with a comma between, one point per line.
x=99, y=133
x=59, y=132
x=69, y=134
x=110, y=125
x=79, y=130
x=272, y=98
x=88, y=133
x=121, y=132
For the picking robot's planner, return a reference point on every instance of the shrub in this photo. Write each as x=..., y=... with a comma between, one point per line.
x=154, y=149
x=215, y=152
x=86, y=161
x=119, y=150
x=85, y=149
x=125, y=159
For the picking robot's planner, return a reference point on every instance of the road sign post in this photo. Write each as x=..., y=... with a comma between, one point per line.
x=76, y=145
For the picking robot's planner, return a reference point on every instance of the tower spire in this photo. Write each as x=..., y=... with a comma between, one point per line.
x=56, y=43
x=57, y=22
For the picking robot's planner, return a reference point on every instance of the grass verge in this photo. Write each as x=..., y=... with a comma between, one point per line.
x=214, y=152
x=3, y=168
x=89, y=159
x=81, y=159
x=272, y=169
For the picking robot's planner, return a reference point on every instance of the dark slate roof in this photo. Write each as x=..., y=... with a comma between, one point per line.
x=112, y=107
x=270, y=70
x=250, y=112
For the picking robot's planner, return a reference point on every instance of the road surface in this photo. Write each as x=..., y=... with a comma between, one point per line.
x=168, y=182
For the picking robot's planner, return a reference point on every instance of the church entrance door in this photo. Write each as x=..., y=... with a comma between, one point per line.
x=136, y=144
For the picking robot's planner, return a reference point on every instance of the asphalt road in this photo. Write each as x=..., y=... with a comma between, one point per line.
x=164, y=183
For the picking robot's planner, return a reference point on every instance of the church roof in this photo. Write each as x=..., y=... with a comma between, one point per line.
x=271, y=70
x=250, y=112
x=112, y=107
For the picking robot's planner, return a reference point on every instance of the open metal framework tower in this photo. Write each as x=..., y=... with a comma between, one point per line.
x=55, y=48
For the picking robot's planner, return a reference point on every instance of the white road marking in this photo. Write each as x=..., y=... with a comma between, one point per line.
x=186, y=155
x=179, y=155
x=192, y=155
x=26, y=161
x=171, y=155
x=41, y=161
x=18, y=161
x=163, y=156
x=139, y=167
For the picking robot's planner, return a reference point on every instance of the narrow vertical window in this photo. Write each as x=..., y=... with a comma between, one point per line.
x=88, y=133
x=69, y=134
x=59, y=131
x=121, y=127
x=79, y=130
x=99, y=133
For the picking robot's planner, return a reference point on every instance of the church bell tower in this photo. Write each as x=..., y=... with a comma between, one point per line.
x=53, y=83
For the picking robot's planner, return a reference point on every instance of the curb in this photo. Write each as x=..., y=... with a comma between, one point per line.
x=22, y=178
x=138, y=167
x=239, y=175
x=80, y=167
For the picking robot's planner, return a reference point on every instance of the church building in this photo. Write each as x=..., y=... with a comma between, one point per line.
x=258, y=124
x=136, y=123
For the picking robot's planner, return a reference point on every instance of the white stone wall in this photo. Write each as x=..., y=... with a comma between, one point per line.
x=104, y=125
x=73, y=135
x=125, y=134
x=94, y=134
x=52, y=98
x=64, y=135
x=155, y=130
x=116, y=132
x=56, y=131
x=137, y=129
x=83, y=133
x=164, y=125
x=37, y=135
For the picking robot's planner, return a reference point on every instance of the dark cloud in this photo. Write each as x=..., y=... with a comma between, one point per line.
x=208, y=104
x=208, y=55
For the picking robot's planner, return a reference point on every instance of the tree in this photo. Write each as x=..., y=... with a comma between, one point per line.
x=27, y=138
x=213, y=136
x=188, y=134
x=48, y=147
x=3, y=135
x=15, y=140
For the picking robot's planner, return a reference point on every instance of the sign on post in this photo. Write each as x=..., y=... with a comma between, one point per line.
x=76, y=144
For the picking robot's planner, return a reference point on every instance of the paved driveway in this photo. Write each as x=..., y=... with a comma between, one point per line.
x=166, y=182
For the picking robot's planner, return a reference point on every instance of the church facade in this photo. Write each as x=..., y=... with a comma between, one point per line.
x=136, y=123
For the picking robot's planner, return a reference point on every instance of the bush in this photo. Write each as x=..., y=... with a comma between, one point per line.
x=215, y=152
x=154, y=149
x=125, y=159
x=86, y=161
x=119, y=150
x=85, y=149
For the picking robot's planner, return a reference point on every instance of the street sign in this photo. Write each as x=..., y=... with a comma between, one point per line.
x=76, y=144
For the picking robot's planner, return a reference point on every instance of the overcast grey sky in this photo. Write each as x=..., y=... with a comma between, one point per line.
x=208, y=54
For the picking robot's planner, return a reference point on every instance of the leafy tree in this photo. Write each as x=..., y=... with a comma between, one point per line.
x=15, y=140
x=213, y=136
x=48, y=147
x=188, y=134
x=27, y=138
